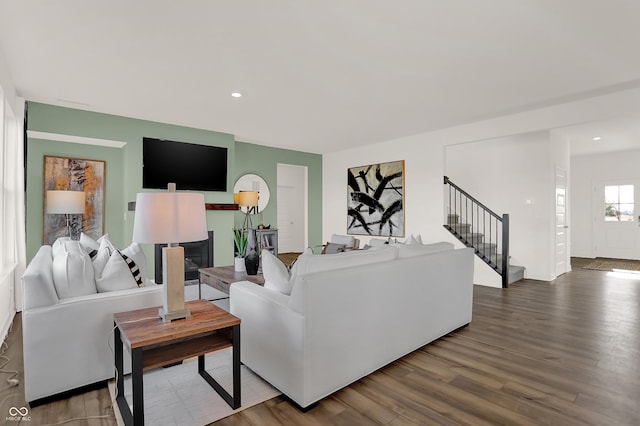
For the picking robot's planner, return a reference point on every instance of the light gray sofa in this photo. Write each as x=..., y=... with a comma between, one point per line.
x=349, y=314
x=65, y=340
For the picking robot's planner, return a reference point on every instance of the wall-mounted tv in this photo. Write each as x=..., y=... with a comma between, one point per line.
x=190, y=166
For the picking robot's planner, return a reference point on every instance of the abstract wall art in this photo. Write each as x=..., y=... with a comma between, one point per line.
x=74, y=174
x=375, y=199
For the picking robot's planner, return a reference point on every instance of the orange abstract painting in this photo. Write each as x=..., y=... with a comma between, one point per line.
x=74, y=174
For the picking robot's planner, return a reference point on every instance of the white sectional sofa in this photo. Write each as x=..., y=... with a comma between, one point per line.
x=65, y=340
x=349, y=314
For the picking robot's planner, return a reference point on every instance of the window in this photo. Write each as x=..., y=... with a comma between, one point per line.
x=618, y=203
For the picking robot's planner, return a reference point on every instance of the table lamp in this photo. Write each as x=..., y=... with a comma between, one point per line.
x=67, y=203
x=170, y=218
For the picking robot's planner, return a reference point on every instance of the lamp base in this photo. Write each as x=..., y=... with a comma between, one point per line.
x=173, y=307
x=175, y=315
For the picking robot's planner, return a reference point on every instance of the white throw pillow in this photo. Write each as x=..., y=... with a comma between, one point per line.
x=276, y=274
x=72, y=270
x=347, y=240
x=102, y=257
x=333, y=248
x=134, y=252
x=377, y=242
x=90, y=245
x=58, y=246
x=411, y=241
x=419, y=239
x=116, y=275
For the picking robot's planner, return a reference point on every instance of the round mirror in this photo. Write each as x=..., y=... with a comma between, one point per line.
x=252, y=182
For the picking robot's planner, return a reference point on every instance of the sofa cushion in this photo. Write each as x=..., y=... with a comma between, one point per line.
x=72, y=270
x=276, y=274
x=410, y=250
x=313, y=263
x=116, y=275
x=309, y=263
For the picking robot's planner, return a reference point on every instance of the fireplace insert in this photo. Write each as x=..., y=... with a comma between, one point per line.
x=198, y=254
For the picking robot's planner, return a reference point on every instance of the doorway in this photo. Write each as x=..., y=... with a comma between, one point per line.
x=615, y=219
x=562, y=261
x=292, y=208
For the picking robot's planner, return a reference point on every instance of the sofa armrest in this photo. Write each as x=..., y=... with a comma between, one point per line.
x=272, y=335
x=75, y=336
x=37, y=281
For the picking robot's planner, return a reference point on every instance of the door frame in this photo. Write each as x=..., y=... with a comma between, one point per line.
x=305, y=190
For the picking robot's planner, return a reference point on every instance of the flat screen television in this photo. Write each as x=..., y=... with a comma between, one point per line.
x=190, y=166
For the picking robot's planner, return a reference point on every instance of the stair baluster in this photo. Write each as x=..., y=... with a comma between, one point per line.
x=464, y=217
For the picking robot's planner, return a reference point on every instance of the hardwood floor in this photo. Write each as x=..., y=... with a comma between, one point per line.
x=559, y=353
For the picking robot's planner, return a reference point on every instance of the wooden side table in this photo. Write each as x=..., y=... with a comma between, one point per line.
x=221, y=277
x=153, y=343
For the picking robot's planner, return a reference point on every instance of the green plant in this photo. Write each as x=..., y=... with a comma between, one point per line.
x=240, y=239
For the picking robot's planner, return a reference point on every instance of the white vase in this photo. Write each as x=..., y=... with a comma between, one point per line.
x=238, y=264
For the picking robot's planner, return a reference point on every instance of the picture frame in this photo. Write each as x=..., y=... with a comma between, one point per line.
x=375, y=199
x=74, y=174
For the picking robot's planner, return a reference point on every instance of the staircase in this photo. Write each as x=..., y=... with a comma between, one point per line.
x=478, y=227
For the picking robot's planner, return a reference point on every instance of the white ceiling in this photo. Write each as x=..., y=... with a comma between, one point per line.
x=318, y=75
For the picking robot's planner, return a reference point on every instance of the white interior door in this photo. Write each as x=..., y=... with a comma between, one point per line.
x=292, y=208
x=616, y=222
x=562, y=252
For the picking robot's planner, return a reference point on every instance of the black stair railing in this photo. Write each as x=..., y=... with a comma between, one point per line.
x=477, y=226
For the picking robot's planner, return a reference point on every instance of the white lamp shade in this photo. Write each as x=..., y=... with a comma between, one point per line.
x=169, y=217
x=65, y=202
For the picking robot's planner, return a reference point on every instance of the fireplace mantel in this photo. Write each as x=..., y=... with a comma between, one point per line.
x=208, y=206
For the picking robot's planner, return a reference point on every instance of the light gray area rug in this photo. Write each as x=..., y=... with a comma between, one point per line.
x=607, y=264
x=178, y=395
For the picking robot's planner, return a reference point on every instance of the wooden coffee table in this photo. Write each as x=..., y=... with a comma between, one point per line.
x=153, y=343
x=221, y=277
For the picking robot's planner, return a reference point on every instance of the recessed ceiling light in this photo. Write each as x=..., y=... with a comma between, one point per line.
x=236, y=94
x=597, y=138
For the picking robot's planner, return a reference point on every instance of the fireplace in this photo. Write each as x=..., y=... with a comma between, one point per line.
x=197, y=255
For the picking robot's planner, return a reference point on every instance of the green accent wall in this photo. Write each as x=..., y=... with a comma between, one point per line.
x=263, y=161
x=124, y=172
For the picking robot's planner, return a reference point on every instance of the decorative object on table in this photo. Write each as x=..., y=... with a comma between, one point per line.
x=375, y=199
x=67, y=203
x=240, y=240
x=170, y=217
x=251, y=256
x=74, y=174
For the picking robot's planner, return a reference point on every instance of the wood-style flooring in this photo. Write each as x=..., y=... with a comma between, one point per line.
x=560, y=353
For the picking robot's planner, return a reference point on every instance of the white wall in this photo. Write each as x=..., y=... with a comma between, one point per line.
x=7, y=260
x=504, y=174
x=424, y=160
x=585, y=171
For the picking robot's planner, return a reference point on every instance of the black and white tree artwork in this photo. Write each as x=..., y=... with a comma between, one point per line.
x=375, y=199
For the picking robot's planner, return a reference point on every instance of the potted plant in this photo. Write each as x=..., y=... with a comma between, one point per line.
x=240, y=240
